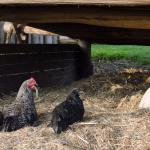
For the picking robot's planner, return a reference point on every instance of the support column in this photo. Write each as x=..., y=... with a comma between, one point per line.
x=85, y=65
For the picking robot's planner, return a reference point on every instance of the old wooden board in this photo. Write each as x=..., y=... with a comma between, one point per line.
x=83, y=2
x=124, y=16
x=100, y=34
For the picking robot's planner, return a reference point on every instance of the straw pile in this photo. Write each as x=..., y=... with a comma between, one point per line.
x=112, y=120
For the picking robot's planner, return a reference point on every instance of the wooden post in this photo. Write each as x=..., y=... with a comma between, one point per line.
x=85, y=66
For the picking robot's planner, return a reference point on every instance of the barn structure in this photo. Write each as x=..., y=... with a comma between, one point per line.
x=34, y=36
x=100, y=21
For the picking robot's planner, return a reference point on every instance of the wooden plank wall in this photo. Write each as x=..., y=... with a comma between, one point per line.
x=50, y=65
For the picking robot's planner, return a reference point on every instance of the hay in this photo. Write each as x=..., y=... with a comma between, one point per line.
x=111, y=120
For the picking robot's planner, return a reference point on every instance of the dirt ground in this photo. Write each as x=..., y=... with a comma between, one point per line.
x=112, y=120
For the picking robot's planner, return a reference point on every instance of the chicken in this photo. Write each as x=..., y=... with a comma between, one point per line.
x=145, y=101
x=1, y=118
x=22, y=112
x=67, y=112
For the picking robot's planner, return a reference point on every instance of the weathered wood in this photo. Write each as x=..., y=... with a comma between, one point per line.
x=37, y=48
x=85, y=68
x=125, y=17
x=48, y=78
x=12, y=33
x=38, y=58
x=31, y=30
x=49, y=64
x=77, y=2
x=125, y=14
x=35, y=66
x=100, y=34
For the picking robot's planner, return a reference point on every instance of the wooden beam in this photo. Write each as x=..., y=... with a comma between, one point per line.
x=75, y=2
x=100, y=34
x=85, y=67
x=120, y=17
x=31, y=30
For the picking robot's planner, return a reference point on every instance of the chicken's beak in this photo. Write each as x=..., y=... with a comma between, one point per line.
x=82, y=94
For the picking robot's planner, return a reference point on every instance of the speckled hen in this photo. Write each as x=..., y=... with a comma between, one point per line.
x=22, y=112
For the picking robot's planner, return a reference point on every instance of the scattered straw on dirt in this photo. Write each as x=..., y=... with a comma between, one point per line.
x=112, y=120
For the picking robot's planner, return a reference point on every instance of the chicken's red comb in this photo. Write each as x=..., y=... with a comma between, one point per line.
x=32, y=79
x=31, y=83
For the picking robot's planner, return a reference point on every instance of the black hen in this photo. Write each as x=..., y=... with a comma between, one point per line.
x=22, y=112
x=67, y=112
